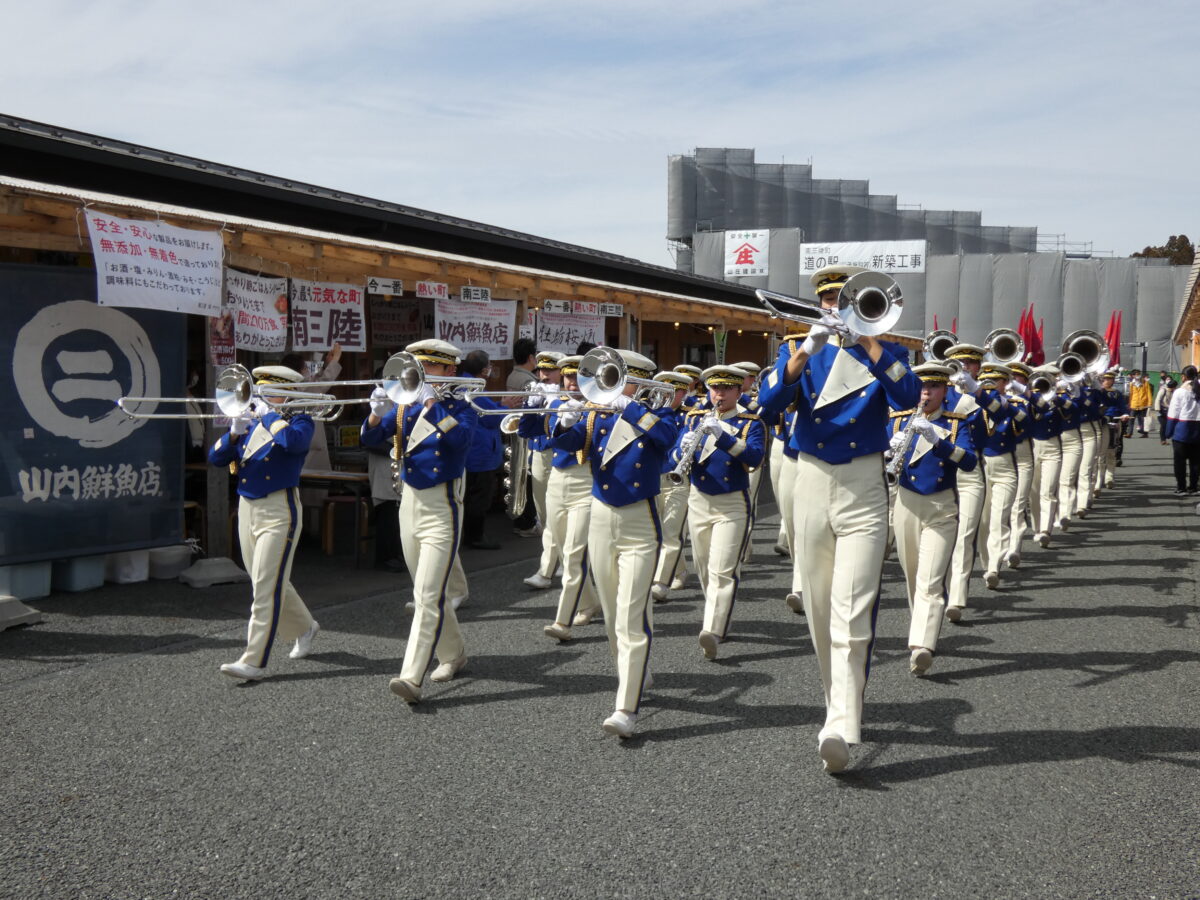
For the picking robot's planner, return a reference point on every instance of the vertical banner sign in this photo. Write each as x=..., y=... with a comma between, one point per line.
x=395, y=325
x=475, y=326
x=259, y=310
x=564, y=331
x=327, y=314
x=152, y=265
x=878, y=256
x=220, y=340
x=746, y=253
x=720, y=342
x=78, y=476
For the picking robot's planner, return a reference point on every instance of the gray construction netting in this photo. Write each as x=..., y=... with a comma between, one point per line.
x=978, y=292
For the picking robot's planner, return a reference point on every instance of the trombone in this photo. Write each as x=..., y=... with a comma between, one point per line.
x=603, y=377
x=234, y=393
x=402, y=379
x=869, y=303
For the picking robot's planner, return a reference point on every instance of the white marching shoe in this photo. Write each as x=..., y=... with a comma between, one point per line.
x=620, y=723
x=1042, y=538
x=992, y=580
x=538, y=581
x=795, y=602
x=658, y=592
x=1013, y=559
x=304, y=642
x=954, y=613
x=834, y=753
x=447, y=670
x=920, y=661
x=679, y=582
x=585, y=616
x=243, y=671
x=561, y=633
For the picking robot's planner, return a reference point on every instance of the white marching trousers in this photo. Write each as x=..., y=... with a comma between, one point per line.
x=569, y=505
x=925, y=527
x=720, y=527
x=1047, y=463
x=998, y=500
x=268, y=529
x=841, y=527
x=971, y=489
x=434, y=526
x=540, y=467
x=1019, y=521
x=1087, y=466
x=1105, y=455
x=627, y=540
x=779, y=475
x=673, y=510
x=1068, y=475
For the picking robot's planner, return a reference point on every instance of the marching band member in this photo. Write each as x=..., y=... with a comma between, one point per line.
x=1072, y=452
x=1018, y=522
x=430, y=443
x=722, y=445
x=540, y=462
x=696, y=391
x=672, y=500
x=1091, y=412
x=841, y=394
x=568, y=507
x=749, y=402
x=266, y=457
x=626, y=450
x=1000, y=464
x=926, y=512
x=971, y=484
x=1046, y=433
x=1116, y=414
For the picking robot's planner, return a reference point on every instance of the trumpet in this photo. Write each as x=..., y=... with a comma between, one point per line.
x=687, y=451
x=1090, y=347
x=234, y=394
x=869, y=303
x=1003, y=346
x=603, y=376
x=1041, y=383
x=1073, y=367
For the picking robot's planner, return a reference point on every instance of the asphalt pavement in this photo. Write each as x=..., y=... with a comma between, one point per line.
x=1053, y=751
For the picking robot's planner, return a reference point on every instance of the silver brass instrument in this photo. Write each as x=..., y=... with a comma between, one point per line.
x=1090, y=347
x=896, y=459
x=603, y=377
x=1041, y=383
x=869, y=303
x=938, y=344
x=235, y=391
x=687, y=451
x=1003, y=346
x=1073, y=367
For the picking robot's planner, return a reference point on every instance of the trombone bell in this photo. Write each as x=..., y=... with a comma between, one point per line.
x=869, y=303
x=1003, y=346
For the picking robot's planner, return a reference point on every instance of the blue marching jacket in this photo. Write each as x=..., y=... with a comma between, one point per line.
x=627, y=450
x=432, y=448
x=842, y=399
x=536, y=430
x=722, y=465
x=279, y=447
x=930, y=468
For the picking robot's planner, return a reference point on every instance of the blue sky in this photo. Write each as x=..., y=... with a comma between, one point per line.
x=557, y=118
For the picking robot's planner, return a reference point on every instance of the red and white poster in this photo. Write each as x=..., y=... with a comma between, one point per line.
x=746, y=253
x=153, y=265
x=325, y=314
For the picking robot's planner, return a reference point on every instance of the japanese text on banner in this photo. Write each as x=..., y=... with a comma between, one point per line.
x=152, y=265
x=879, y=256
x=327, y=314
x=259, y=310
x=395, y=324
x=563, y=332
x=475, y=326
x=746, y=253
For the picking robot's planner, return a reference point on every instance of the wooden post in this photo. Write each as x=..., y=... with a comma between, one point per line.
x=216, y=538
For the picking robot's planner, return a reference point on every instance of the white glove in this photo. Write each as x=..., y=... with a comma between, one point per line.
x=818, y=335
x=1073, y=389
x=710, y=426
x=620, y=402
x=896, y=442
x=536, y=398
x=427, y=394
x=927, y=430
x=965, y=382
x=238, y=425
x=1015, y=387
x=380, y=402
x=257, y=408
x=569, y=413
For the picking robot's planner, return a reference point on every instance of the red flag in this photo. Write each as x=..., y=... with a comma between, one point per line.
x=1023, y=330
x=954, y=326
x=1114, y=346
x=1037, y=353
x=935, y=322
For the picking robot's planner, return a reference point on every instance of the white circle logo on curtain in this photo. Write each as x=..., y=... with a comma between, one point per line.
x=91, y=375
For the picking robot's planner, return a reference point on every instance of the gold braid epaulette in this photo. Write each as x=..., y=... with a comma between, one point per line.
x=698, y=412
x=897, y=413
x=581, y=455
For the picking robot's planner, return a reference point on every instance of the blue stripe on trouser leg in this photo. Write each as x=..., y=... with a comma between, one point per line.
x=737, y=569
x=285, y=558
x=647, y=624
